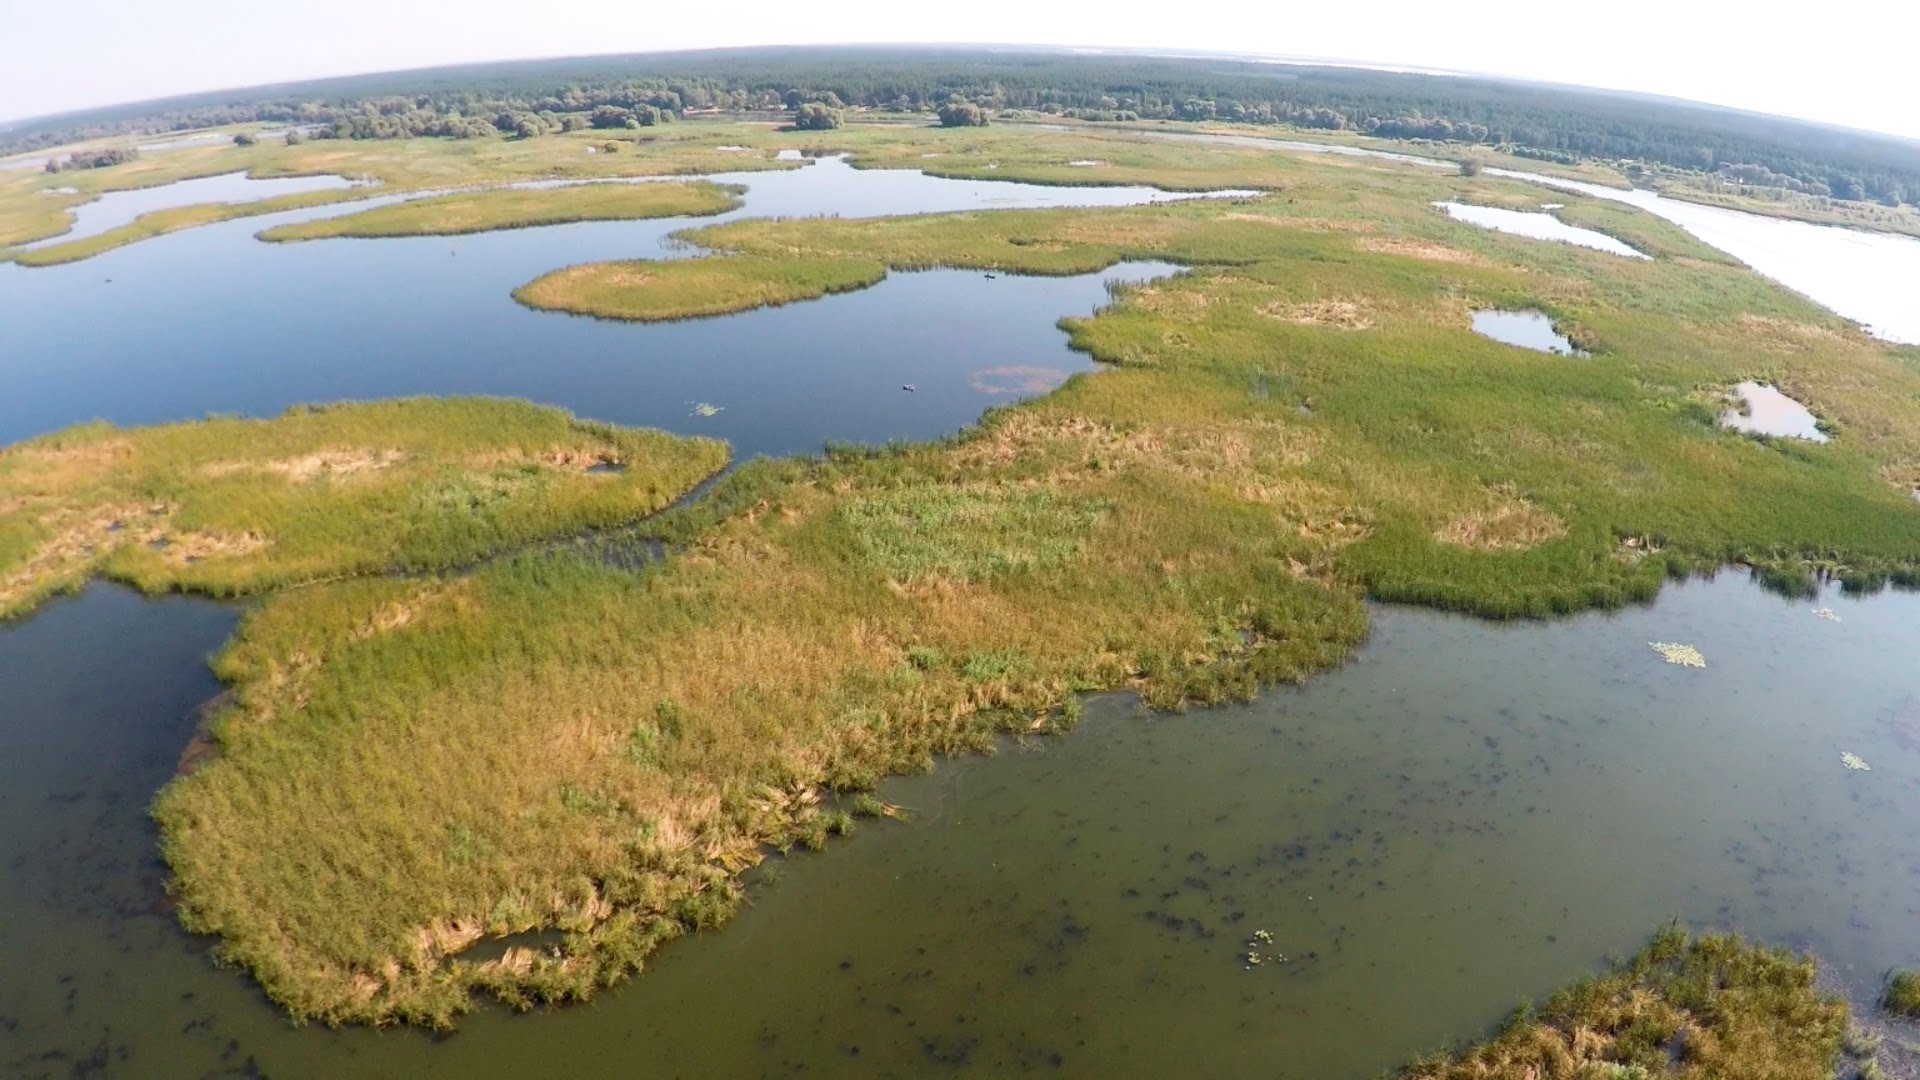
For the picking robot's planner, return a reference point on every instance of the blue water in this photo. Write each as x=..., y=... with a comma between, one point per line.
x=117, y=208
x=211, y=320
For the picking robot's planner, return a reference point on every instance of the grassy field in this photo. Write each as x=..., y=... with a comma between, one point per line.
x=1302, y=421
x=230, y=506
x=519, y=208
x=1690, y=1009
x=652, y=291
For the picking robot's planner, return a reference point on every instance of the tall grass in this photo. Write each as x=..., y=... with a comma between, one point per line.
x=552, y=742
x=1699, y=1008
x=230, y=505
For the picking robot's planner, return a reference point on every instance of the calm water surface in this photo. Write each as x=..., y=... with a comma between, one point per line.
x=1467, y=814
x=1527, y=329
x=1770, y=412
x=117, y=208
x=210, y=320
x=1536, y=224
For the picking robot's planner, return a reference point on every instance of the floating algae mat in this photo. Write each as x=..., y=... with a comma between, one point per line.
x=1684, y=655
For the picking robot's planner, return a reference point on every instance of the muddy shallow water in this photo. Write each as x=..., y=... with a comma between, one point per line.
x=1467, y=814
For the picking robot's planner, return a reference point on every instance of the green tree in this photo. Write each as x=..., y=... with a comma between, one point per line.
x=962, y=114
x=245, y=138
x=813, y=116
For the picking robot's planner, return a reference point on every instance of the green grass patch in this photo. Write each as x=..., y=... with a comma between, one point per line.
x=654, y=291
x=518, y=208
x=231, y=505
x=1902, y=996
x=160, y=222
x=1693, y=1008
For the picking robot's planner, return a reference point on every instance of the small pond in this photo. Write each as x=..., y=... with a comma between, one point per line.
x=117, y=208
x=1527, y=329
x=1767, y=411
x=1539, y=226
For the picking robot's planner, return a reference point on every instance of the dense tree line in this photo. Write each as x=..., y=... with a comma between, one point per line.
x=1543, y=122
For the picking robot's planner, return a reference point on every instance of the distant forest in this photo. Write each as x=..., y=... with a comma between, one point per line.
x=1533, y=120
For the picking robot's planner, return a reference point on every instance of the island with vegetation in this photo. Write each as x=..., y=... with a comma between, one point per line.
x=454, y=731
x=510, y=208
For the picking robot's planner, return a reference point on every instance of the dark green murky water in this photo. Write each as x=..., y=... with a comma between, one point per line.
x=1468, y=814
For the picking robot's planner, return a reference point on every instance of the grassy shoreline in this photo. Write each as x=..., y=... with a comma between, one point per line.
x=668, y=290
x=174, y=219
x=1684, y=1007
x=462, y=213
x=34, y=206
x=230, y=506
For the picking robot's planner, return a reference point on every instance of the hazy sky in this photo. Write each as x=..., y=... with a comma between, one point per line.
x=1848, y=63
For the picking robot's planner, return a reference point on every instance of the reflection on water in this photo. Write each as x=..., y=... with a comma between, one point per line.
x=1537, y=225
x=1527, y=329
x=1767, y=411
x=1468, y=813
x=117, y=208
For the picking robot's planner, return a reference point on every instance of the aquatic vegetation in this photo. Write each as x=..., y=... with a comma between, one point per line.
x=174, y=219
x=230, y=505
x=394, y=166
x=1902, y=996
x=1175, y=525
x=1854, y=763
x=705, y=409
x=1684, y=655
x=1016, y=379
x=1699, y=1008
x=519, y=208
